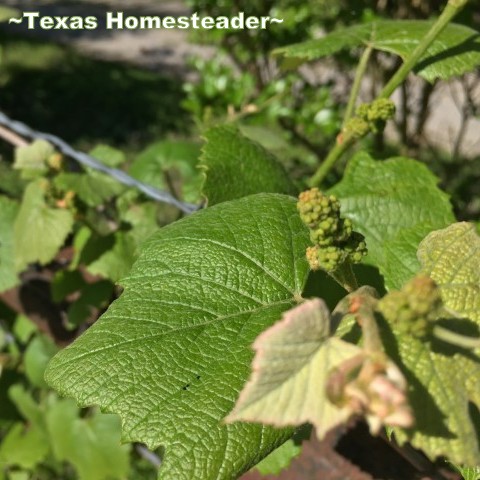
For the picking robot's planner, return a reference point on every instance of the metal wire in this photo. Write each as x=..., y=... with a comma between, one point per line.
x=88, y=161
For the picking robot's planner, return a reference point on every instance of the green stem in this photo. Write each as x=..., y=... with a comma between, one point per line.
x=345, y=277
x=455, y=338
x=357, y=83
x=453, y=7
x=337, y=151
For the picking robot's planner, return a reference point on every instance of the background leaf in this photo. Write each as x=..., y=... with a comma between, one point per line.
x=171, y=355
x=8, y=213
x=394, y=203
x=455, y=51
x=169, y=165
x=39, y=230
x=235, y=166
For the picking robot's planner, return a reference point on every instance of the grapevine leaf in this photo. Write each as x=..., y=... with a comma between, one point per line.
x=116, y=262
x=92, y=187
x=170, y=164
x=293, y=360
x=39, y=230
x=390, y=202
x=108, y=156
x=452, y=258
x=172, y=353
x=454, y=52
x=235, y=166
x=38, y=353
x=91, y=444
x=31, y=159
x=8, y=213
x=444, y=380
x=279, y=459
x=468, y=473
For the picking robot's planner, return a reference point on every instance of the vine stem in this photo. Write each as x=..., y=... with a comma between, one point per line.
x=357, y=83
x=452, y=8
x=455, y=338
x=337, y=151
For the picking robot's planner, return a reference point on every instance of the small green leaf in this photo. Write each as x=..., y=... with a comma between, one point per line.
x=444, y=380
x=111, y=157
x=39, y=352
x=23, y=446
x=293, y=360
x=454, y=52
x=39, y=230
x=116, y=262
x=24, y=328
x=170, y=165
x=90, y=444
x=468, y=473
x=92, y=187
x=32, y=159
x=172, y=353
x=394, y=204
x=8, y=212
x=235, y=166
x=279, y=459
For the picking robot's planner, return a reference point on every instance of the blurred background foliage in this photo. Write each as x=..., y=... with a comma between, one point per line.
x=151, y=125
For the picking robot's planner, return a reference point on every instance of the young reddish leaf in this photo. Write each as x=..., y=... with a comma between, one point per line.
x=293, y=361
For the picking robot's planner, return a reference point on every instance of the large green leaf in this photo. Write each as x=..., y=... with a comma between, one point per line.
x=8, y=213
x=236, y=166
x=171, y=355
x=444, y=380
x=454, y=52
x=39, y=229
x=394, y=203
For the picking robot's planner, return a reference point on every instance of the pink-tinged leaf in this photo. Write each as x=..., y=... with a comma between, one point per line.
x=293, y=361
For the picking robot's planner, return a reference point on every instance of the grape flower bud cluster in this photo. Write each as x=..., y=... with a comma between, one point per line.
x=333, y=237
x=370, y=117
x=414, y=308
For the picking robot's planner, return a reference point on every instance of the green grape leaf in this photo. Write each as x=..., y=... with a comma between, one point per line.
x=10, y=180
x=390, y=202
x=92, y=187
x=23, y=446
x=279, y=459
x=111, y=157
x=8, y=213
x=454, y=52
x=38, y=353
x=32, y=159
x=170, y=165
x=172, y=353
x=293, y=360
x=452, y=258
x=443, y=379
x=39, y=230
x=235, y=166
x=90, y=444
x=117, y=261
x=468, y=473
